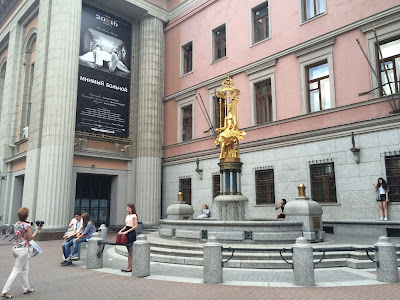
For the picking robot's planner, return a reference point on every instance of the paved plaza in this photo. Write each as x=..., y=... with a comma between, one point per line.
x=167, y=281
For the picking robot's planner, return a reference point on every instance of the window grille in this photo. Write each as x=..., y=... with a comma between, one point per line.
x=185, y=187
x=265, y=189
x=216, y=182
x=323, y=186
x=392, y=163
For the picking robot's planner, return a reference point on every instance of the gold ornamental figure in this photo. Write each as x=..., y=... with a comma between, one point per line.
x=229, y=133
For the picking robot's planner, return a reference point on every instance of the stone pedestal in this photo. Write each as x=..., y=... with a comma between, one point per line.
x=386, y=261
x=303, y=265
x=141, y=257
x=212, y=262
x=303, y=209
x=92, y=261
x=230, y=207
x=103, y=232
x=230, y=203
x=180, y=211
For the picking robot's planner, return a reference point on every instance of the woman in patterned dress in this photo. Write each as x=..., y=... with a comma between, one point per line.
x=23, y=234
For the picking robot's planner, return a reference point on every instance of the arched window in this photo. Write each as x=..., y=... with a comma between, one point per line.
x=28, y=75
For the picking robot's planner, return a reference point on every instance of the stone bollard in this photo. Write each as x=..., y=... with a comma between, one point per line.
x=141, y=257
x=92, y=261
x=303, y=264
x=386, y=261
x=212, y=262
x=103, y=232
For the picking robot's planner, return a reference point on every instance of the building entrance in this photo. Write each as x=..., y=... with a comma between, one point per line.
x=93, y=195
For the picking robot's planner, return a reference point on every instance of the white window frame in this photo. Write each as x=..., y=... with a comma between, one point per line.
x=311, y=55
x=183, y=101
x=252, y=41
x=256, y=75
x=213, y=58
x=386, y=28
x=301, y=10
x=182, y=54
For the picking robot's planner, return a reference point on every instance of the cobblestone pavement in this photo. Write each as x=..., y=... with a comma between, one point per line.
x=51, y=281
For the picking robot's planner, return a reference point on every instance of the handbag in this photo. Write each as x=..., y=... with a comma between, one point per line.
x=33, y=249
x=122, y=239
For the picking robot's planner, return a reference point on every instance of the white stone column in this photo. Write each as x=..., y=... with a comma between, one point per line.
x=150, y=120
x=57, y=145
x=8, y=116
x=38, y=99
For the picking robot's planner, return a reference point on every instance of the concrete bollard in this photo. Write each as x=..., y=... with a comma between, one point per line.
x=141, y=257
x=212, y=262
x=386, y=261
x=303, y=264
x=103, y=232
x=92, y=261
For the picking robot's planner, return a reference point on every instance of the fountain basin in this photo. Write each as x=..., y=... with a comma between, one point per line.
x=276, y=231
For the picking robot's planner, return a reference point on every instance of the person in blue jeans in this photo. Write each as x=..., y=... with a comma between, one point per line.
x=88, y=228
x=69, y=238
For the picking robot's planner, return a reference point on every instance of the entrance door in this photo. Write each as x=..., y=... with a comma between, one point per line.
x=93, y=195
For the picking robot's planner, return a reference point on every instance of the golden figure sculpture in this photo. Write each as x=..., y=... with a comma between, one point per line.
x=229, y=135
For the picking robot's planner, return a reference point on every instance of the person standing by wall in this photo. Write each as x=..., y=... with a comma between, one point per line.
x=23, y=234
x=131, y=223
x=382, y=191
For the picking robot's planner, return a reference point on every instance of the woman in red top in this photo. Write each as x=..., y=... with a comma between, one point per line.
x=131, y=223
x=23, y=234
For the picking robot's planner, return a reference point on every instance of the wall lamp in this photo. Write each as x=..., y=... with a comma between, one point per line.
x=198, y=170
x=356, y=151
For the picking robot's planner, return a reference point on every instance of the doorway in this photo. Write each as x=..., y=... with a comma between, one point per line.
x=93, y=195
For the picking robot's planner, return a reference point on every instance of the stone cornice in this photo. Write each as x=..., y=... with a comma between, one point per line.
x=389, y=13
x=17, y=157
x=103, y=155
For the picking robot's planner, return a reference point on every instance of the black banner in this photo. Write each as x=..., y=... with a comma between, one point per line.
x=104, y=74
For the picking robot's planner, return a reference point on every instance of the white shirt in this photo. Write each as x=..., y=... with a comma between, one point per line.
x=78, y=225
x=382, y=190
x=72, y=223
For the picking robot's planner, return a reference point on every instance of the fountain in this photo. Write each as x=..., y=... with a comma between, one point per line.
x=229, y=218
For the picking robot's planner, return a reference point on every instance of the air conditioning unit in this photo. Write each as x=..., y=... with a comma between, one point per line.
x=25, y=132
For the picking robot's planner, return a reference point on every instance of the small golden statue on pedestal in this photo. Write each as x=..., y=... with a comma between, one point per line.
x=229, y=133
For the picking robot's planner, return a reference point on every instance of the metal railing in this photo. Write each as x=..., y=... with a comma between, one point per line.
x=112, y=244
x=283, y=250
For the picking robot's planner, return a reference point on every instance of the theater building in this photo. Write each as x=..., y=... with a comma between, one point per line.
x=109, y=102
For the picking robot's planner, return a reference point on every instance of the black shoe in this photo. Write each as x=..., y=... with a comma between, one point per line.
x=66, y=263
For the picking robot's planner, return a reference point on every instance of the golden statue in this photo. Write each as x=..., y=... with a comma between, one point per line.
x=229, y=133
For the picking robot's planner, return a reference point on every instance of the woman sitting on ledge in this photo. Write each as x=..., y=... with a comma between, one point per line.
x=205, y=213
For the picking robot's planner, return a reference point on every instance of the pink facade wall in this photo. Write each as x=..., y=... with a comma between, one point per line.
x=351, y=71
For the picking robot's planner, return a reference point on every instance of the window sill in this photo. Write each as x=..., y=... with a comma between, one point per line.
x=312, y=19
x=259, y=42
x=265, y=205
x=218, y=60
x=183, y=75
x=329, y=204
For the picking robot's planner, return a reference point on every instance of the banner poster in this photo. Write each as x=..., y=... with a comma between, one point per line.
x=104, y=74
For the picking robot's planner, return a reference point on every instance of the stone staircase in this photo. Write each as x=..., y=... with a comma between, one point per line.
x=174, y=251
